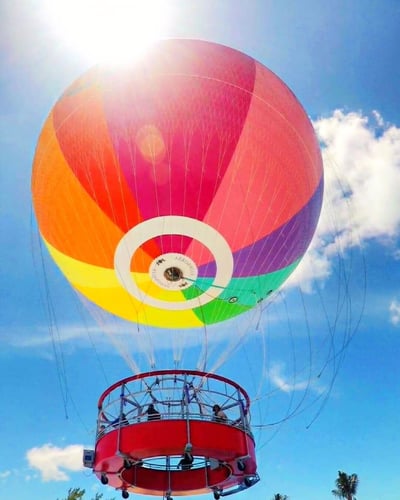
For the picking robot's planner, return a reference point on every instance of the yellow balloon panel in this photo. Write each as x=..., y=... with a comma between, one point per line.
x=108, y=291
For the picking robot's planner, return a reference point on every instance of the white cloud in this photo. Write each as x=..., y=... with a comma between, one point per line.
x=52, y=462
x=394, y=310
x=366, y=183
x=379, y=119
x=140, y=338
x=5, y=474
x=362, y=184
x=282, y=381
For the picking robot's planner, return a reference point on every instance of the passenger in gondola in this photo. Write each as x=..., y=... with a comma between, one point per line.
x=152, y=413
x=186, y=461
x=219, y=415
x=120, y=421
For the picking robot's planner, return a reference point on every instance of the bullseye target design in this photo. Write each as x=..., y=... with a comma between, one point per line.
x=179, y=190
x=174, y=271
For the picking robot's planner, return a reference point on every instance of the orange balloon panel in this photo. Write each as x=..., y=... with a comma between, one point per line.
x=188, y=184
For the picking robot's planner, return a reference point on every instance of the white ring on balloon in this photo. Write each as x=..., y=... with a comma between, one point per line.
x=185, y=226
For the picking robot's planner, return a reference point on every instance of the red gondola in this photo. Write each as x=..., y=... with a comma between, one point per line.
x=183, y=448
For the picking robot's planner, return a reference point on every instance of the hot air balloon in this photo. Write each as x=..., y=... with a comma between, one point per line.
x=178, y=191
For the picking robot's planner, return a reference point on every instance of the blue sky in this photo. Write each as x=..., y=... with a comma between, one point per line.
x=341, y=60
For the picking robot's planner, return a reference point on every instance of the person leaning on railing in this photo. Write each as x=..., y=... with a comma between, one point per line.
x=219, y=414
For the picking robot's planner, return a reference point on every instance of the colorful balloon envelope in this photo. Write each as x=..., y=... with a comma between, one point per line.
x=181, y=189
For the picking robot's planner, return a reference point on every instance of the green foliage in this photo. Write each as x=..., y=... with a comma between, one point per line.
x=278, y=496
x=346, y=486
x=99, y=496
x=78, y=494
x=75, y=494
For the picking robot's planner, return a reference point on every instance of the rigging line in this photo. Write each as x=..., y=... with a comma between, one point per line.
x=293, y=411
x=309, y=338
x=303, y=408
x=277, y=428
x=144, y=326
x=274, y=249
x=203, y=355
x=79, y=415
x=52, y=325
x=205, y=146
x=364, y=267
x=136, y=191
x=340, y=303
x=218, y=221
x=191, y=280
x=347, y=275
x=140, y=330
x=217, y=183
x=204, y=291
x=309, y=342
x=250, y=226
x=251, y=216
x=290, y=410
x=157, y=200
x=340, y=356
x=235, y=343
x=298, y=411
x=91, y=156
x=182, y=341
x=261, y=310
x=205, y=359
x=206, y=140
x=149, y=352
x=290, y=329
x=326, y=394
x=300, y=408
x=266, y=365
x=98, y=314
x=246, y=195
x=102, y=169
x=122, y=181
x=226, y=353
x=56, y=345
x=186, y=167
x=279, y=190
x=83, y=318
x=177, y=347
x=250, y=371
